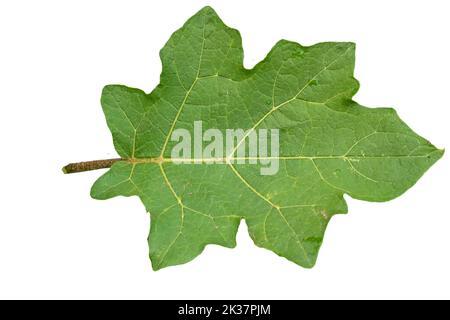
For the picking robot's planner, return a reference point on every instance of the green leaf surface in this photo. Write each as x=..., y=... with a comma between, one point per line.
x=329, y=145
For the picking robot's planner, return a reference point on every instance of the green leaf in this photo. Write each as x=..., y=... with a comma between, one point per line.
x=329, y=145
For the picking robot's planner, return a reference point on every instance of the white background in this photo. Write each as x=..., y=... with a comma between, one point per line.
x=57, y=242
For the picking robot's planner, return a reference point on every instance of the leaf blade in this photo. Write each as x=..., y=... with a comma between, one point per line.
x=330, y=145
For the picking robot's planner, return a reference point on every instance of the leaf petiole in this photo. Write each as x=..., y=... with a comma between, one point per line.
x=89, y=165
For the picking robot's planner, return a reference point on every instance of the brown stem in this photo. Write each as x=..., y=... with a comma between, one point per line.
x=89, y=165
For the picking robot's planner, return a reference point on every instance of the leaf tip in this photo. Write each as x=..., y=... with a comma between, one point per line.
x=437, y=154
x=156, y=264
x=155, y=267
x=440, y=153
x=309, y=266
x=94, y=192
x=207, y=9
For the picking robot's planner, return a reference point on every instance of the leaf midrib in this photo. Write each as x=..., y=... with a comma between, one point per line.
x=160, y=160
